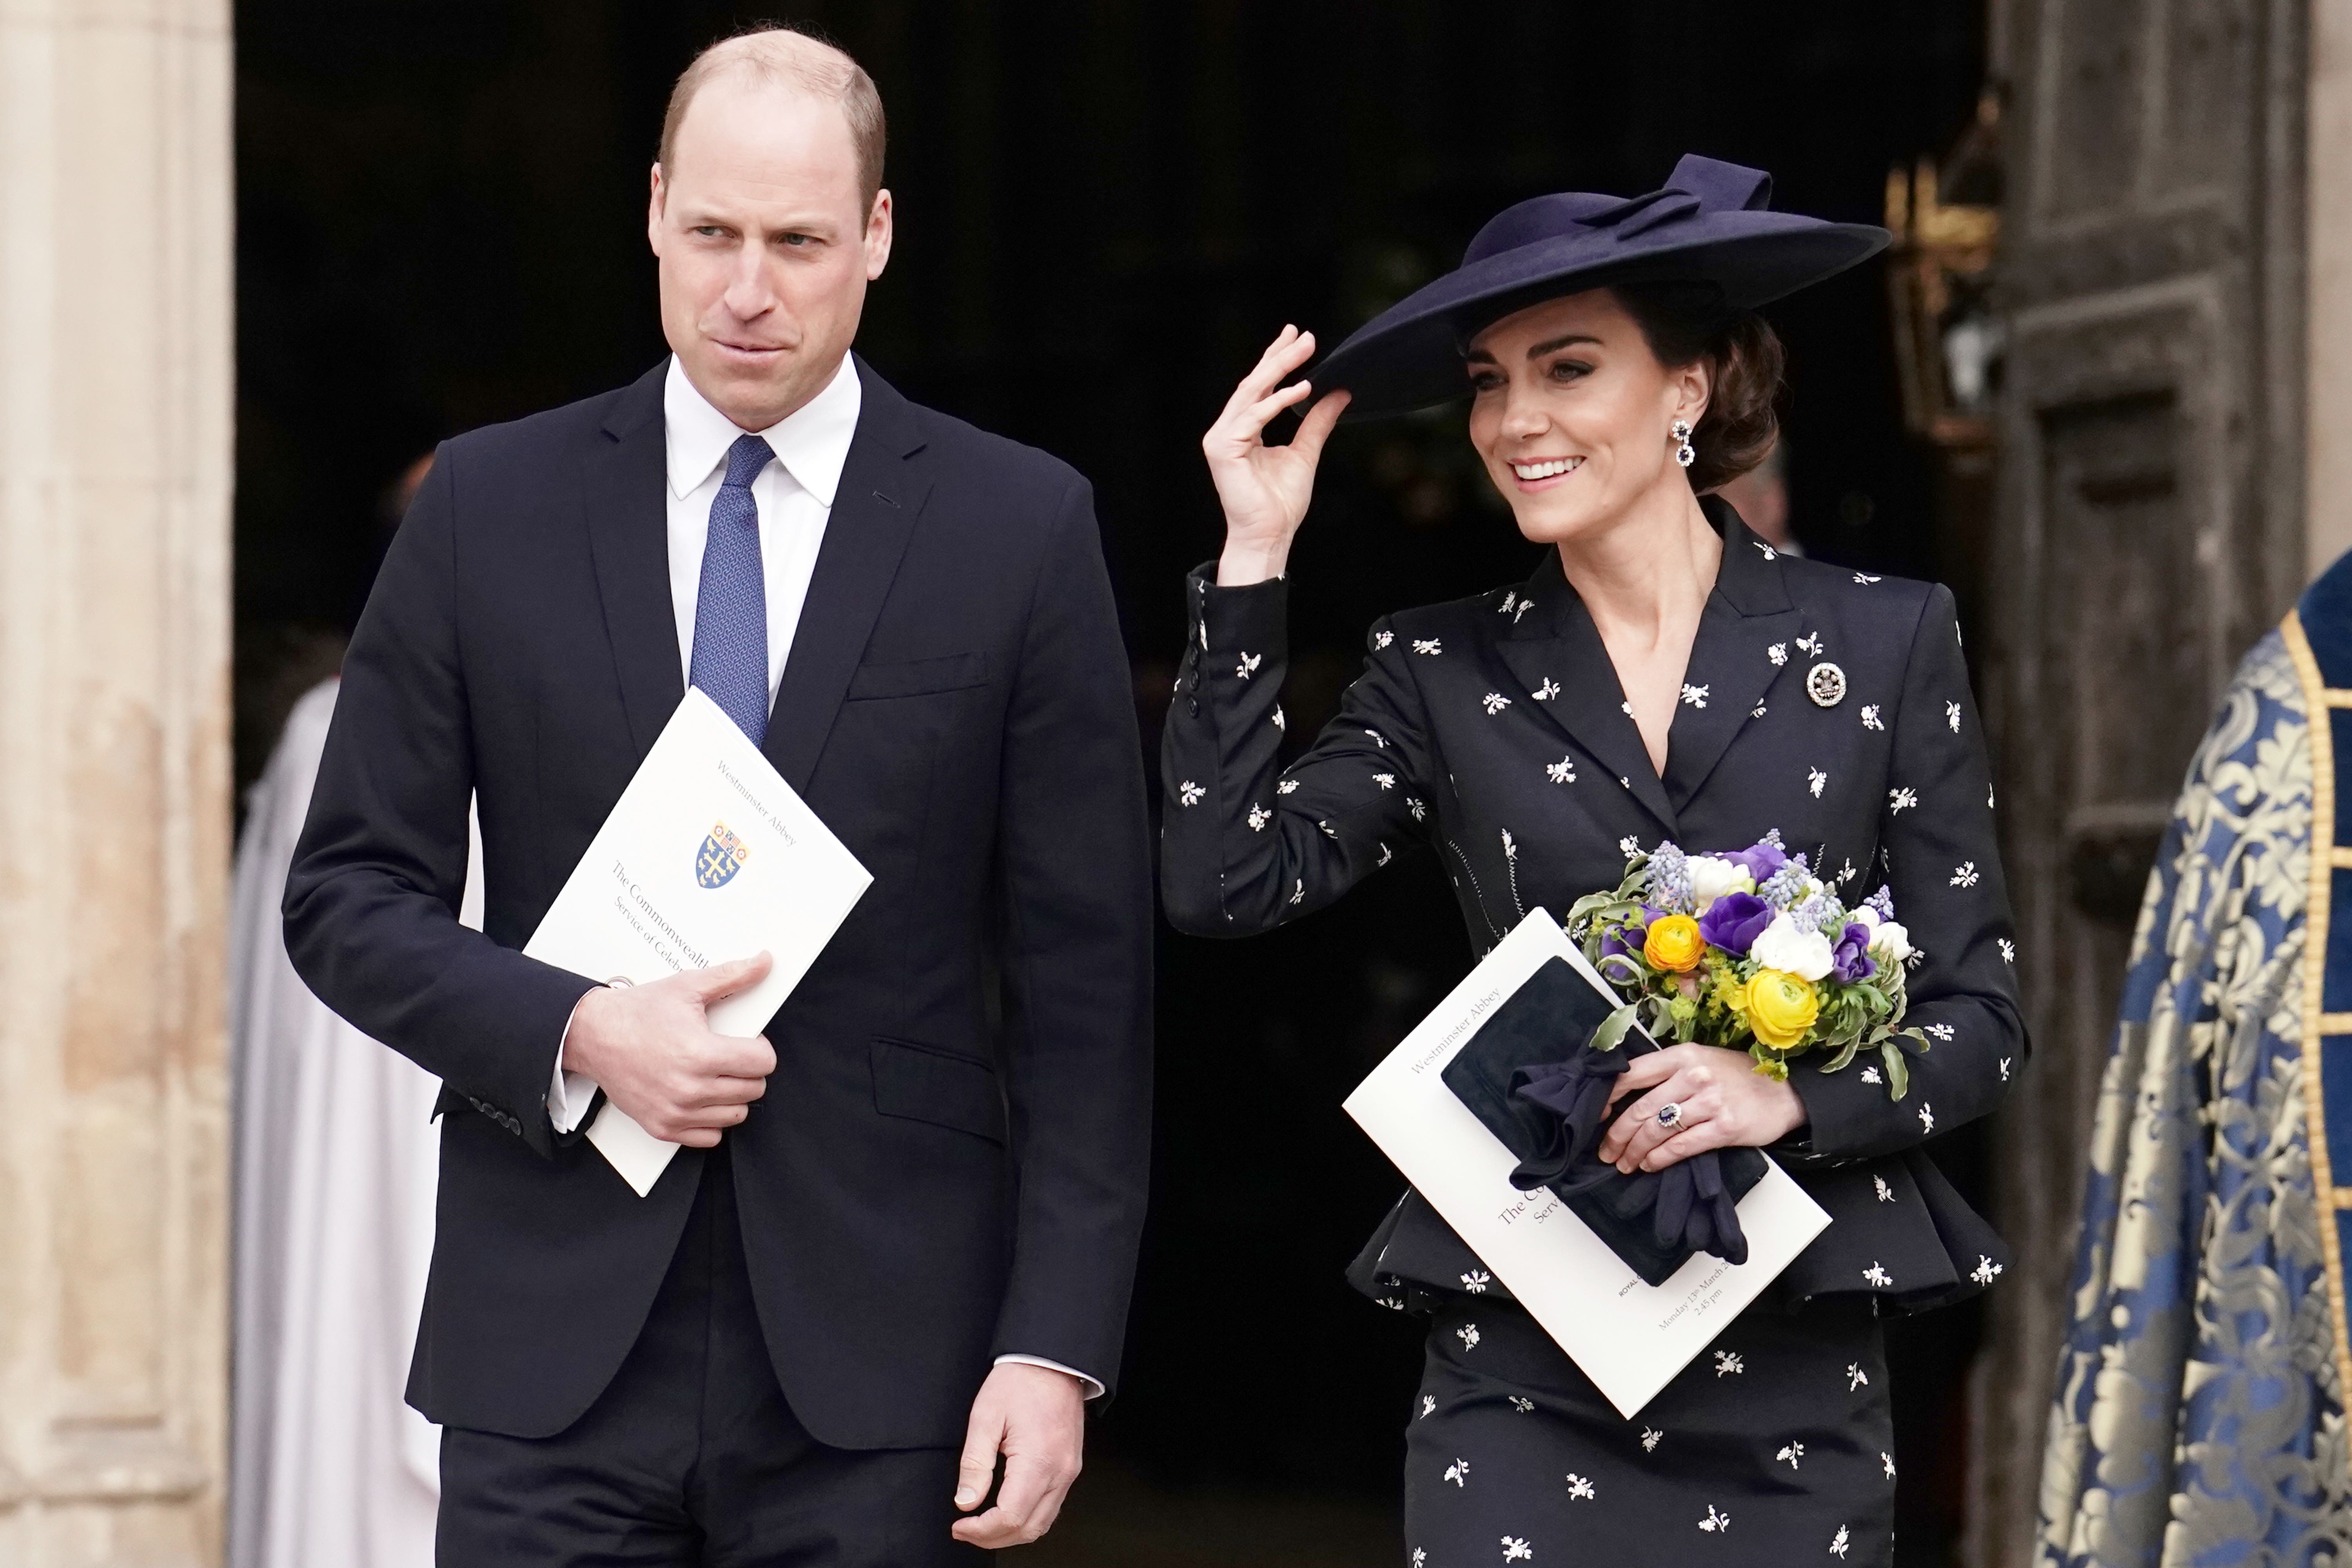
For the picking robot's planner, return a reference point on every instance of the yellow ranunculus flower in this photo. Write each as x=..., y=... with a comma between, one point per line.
x=1674, y=943
x=1781, y=1007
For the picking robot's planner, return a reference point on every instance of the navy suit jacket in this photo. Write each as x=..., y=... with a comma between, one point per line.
x=950, y=1162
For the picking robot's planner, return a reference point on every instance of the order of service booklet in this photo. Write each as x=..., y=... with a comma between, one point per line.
x=1629, y=1338
x=709, y=855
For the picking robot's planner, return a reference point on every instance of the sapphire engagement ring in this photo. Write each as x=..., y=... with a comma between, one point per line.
x=1670, y=1114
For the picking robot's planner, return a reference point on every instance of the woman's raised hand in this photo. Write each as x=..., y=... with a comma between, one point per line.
x=1264, y=490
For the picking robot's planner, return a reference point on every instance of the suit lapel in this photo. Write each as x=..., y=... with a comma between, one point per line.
x=1554, y=648
x=874, y=511
x=628, y=536
x=1732, y=663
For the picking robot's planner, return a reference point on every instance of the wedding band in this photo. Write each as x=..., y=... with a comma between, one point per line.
x=1670, y=1114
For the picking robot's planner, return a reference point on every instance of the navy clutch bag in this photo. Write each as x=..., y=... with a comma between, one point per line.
x=1529, y=1078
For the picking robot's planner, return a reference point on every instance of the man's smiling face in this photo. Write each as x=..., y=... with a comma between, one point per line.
x=766, y=245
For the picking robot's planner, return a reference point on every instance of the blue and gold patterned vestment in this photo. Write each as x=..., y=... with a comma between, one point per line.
x=2198, y=1416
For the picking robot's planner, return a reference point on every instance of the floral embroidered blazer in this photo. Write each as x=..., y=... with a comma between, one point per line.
x=1491, y=731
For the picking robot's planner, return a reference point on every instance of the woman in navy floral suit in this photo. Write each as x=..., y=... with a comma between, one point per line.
x=1662, y=674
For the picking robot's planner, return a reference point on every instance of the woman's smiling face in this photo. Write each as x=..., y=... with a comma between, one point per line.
x=1572, y=414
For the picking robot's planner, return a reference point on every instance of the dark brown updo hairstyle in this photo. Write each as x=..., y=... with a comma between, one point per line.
x=1687, y=323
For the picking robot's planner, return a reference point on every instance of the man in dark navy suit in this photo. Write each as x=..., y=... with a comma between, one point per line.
x=900, y=1238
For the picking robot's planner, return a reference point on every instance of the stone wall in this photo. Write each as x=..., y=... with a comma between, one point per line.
x=115, y=404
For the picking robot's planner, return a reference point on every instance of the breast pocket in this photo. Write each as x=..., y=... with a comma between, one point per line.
x=918, y=677
x=923, y=1083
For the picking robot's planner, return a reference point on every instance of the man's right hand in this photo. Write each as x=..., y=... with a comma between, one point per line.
x=651, y=1049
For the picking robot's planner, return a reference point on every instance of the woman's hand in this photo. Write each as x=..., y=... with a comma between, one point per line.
x=1726, y=1103
x=1264, y=490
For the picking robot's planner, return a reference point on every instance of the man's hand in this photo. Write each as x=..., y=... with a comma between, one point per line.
x=651, y=1050
x=1037, y=1419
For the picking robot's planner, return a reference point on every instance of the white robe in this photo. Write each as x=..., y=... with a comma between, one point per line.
x=336, y=1167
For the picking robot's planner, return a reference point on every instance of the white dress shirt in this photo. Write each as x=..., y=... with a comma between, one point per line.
x=794, y=496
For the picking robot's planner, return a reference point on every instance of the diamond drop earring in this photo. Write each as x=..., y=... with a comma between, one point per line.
x=1684, y=453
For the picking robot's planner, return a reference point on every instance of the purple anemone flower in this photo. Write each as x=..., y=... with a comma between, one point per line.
x=1762, y=860
x=1850, y=960
x=1734, y=921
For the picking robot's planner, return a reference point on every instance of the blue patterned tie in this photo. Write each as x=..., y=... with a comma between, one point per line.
x=730, y=609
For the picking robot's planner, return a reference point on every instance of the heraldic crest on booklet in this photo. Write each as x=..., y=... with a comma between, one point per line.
x=709, y=855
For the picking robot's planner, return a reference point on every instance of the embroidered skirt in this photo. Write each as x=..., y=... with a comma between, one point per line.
x=1773, y=1448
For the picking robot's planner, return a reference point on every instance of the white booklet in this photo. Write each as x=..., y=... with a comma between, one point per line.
x=709, y=855
x=1629, y=1338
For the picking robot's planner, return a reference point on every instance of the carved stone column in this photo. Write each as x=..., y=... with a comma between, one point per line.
x=115, y=398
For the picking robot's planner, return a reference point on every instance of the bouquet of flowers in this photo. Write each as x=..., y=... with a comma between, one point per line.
x=1750, y=949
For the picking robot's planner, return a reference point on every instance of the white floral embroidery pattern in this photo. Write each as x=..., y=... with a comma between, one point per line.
x=1778, y=653
x=1695, y=695
x=2004, y=1069
x=1854, y=1376
x=1964, y=875
x=1989, y=806
x=1385, y=856
x=1383, y=640
x=1414, y=807
x=1523, y=1406
x=2007, y=950
x=1579, y=1489
x=1476, y=1281
x=1952, y=716
x=1386, y=781
x=1886, y=1193
x=1468, y=1334
x=1849, y=874
x=1901, y=799
x=1524, y=606
x=1248, y=666
x=1189, y=792
x=1864, y=577
x=1870, y=719
x=1810, y=642
x=1516, y=1551
x=1870, y=1075
x=1298, y=893
x=1329, y=831
x=1756, y=712
x=1649, y=1436
x=1877, y=1278
x=1887, y=1461
x=1986, y=1271
x=1426, y=645
x=1547, y=691
x=1510, y=602
x=1727, y=1364
x=1288, y=786
x=1941, y=1031
x=1428, y=1406
x=1494, y=702
x=1562, y=771
x=1927, y=1119
x=1793, y=1453
x=1379, y=742
x=1815, y=780
x=1279, y=721
x=1714, y=1521
x=1258, y=817
x=1458, y=1472
x=1837, y=1546
x=1770, y=553
x=1419, y=1558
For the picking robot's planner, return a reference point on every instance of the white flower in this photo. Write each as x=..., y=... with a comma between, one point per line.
x=1458, y=1472
x=1298, y=893
x=1523, y=1406
x=1901, y=799
x=1386, y=781
x=1649, y=1436
x=1728, y=1363
x=1782, y=946
x=1870, y=1075
x=1476, y=1281
x=1793, y=1453
x=1886, y=1193
x=1248, y=666
x=1986, y=1271
x=1510, y=850
x=1864, y=577
x=1778, y=653
x=1468, y=1334
x=1547, y=691
x=1516, y=1551
x=1279, y=721
x=1426, y=645
x=1380, y=741
x=1810, y=643
x=1419, y=1558
x=1385, y=856
x=2004, y=1069
x=1837, y=1547
x=1628, y=846
x=1383, y=640
x=1524, y=606
x=1927, y=1119
x=1189, y=792
x=1695, y=695
x=1510, y=601
x=1964, y=875
x=1870, y=718
x=1854, y=1376
x=1714, y=1520
x=1414, y=804
x=1941, y=1031
x=1952, y=716
x=1579, y=1487
x=1770, y=553
x=1756, y=712
x=1329, y=831
x=1815, y=780
x=1562, y=771
x=1888, y=1460
x=1494, y=702
x=1258, y=817
x=2007, y=950
x=1848, y=875
x=1890, y=939
x=1877, y=1277
x=1712, y=876
x=1288, y=786
x=1428, y=1405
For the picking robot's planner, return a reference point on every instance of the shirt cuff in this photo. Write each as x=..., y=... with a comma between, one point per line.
x=1093, y=1386
x=570, y=1094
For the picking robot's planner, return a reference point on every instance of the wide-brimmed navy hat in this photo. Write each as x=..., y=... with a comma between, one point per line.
x=1711, y=223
